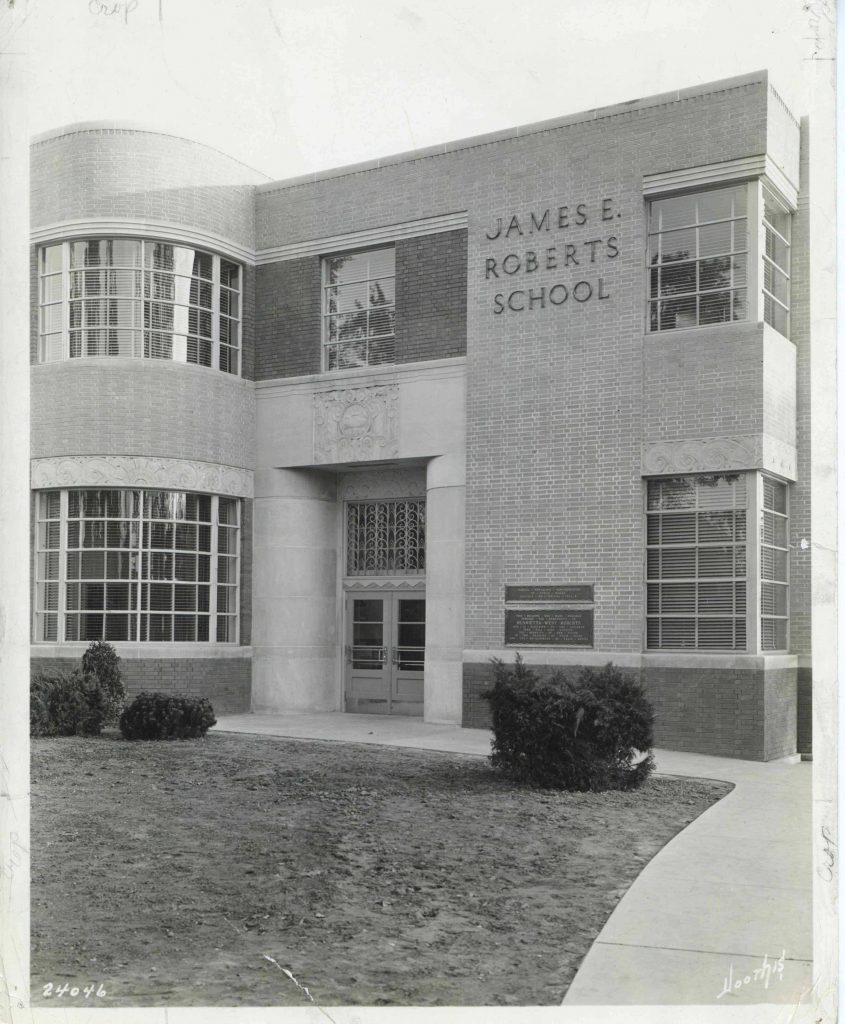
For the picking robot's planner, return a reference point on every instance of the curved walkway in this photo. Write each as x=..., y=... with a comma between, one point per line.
x=728, y=899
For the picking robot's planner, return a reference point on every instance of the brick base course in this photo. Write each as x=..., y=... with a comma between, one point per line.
x=749, y=714
x=805, y=711
x=226, y=682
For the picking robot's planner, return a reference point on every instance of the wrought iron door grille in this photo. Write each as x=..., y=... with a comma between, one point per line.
x=385, y=538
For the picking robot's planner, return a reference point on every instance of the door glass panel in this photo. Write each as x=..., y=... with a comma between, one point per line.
x=367, y=610
x=411, y=610
x=410, y=634
x=367, y=634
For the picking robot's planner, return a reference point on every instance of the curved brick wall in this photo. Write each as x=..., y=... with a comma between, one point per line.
x=108, y=173
x=116, y=406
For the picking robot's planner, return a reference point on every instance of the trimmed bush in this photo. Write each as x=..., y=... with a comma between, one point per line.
x=102, y=661
x=163, y=716
x=67, y=704
x=591, y=733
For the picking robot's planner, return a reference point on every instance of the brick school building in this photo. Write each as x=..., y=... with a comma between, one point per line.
x=333, y=443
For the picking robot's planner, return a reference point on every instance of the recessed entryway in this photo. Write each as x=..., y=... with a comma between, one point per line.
x=384, y=652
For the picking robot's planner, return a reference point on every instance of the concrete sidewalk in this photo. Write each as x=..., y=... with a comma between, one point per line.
x=731, y=889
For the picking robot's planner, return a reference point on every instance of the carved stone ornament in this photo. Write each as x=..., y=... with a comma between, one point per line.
x=382, y=483
x=702, y=455
x=718, y=455
x=138, y=471
x=397, y=582
x=355, y=425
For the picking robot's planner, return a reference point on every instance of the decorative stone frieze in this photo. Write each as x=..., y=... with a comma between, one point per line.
x=139, y=471
x=356, y=424
x=719, y=455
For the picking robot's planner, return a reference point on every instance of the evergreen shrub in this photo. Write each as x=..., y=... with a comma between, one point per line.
x=164, y=716
x=593, y=732
x=67, y=704
x=102, y=661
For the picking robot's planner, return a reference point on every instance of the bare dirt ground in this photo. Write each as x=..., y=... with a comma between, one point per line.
x=200, y=873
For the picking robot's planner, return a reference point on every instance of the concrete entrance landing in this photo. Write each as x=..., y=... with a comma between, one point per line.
x=386, y=730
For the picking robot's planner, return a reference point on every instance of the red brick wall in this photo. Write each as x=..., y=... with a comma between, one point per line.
x=431, y=297
x=149, y=407
x=431, y=274
x=287, y=326
x=748, y=714
x=224, y=681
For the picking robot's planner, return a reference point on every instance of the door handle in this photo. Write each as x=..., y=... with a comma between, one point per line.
x=382, y=655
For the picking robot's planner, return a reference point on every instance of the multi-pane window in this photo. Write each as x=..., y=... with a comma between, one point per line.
x=698, y=259
x=696, y=563
x=774, y=567
x=359, y=306
x=777, y=229
x=385, y=538
x=136, y=565
x=133, y=297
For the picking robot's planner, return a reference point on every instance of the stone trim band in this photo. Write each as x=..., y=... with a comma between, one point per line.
x=78, y=471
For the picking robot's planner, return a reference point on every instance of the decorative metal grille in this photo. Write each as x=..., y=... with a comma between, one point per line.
x=385, y=538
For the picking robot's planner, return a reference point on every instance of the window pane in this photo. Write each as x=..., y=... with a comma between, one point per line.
x=717, y=205
x=678, y=313
x=714, y=307
x=714, y=238
x=674, y=212
x=777, y=250
x=677, y=245
x=776, y=215
x=675, y=280
x=775, y=282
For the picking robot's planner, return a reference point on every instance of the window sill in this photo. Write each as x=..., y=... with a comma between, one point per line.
x=718, y=659
x=123, y=362
x=133, y=651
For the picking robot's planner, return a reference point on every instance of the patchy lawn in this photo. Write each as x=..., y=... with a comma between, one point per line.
x=168, y=873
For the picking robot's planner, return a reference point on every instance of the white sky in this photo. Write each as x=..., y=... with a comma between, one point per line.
x=292, y=86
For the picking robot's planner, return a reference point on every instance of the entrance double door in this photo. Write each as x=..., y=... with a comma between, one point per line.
x=385, y=652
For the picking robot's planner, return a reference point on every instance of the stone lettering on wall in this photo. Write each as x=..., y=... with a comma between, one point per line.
x=356, y=424
x=580, y=259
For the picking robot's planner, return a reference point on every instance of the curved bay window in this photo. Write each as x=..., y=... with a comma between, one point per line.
x=137, y=565
x=134, y=297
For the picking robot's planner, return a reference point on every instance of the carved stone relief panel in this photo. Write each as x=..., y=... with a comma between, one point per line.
x=138, y=471
x=356, y=424
x=718, y=454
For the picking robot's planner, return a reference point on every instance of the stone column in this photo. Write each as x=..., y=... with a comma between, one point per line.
x=444, y=588
x=295, y=640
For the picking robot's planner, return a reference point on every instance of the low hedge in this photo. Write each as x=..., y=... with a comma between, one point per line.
x=591, y=733
x=67, y=704
x=164, y=716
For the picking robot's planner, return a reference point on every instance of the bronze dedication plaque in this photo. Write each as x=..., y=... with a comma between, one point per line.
x=549, y=627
